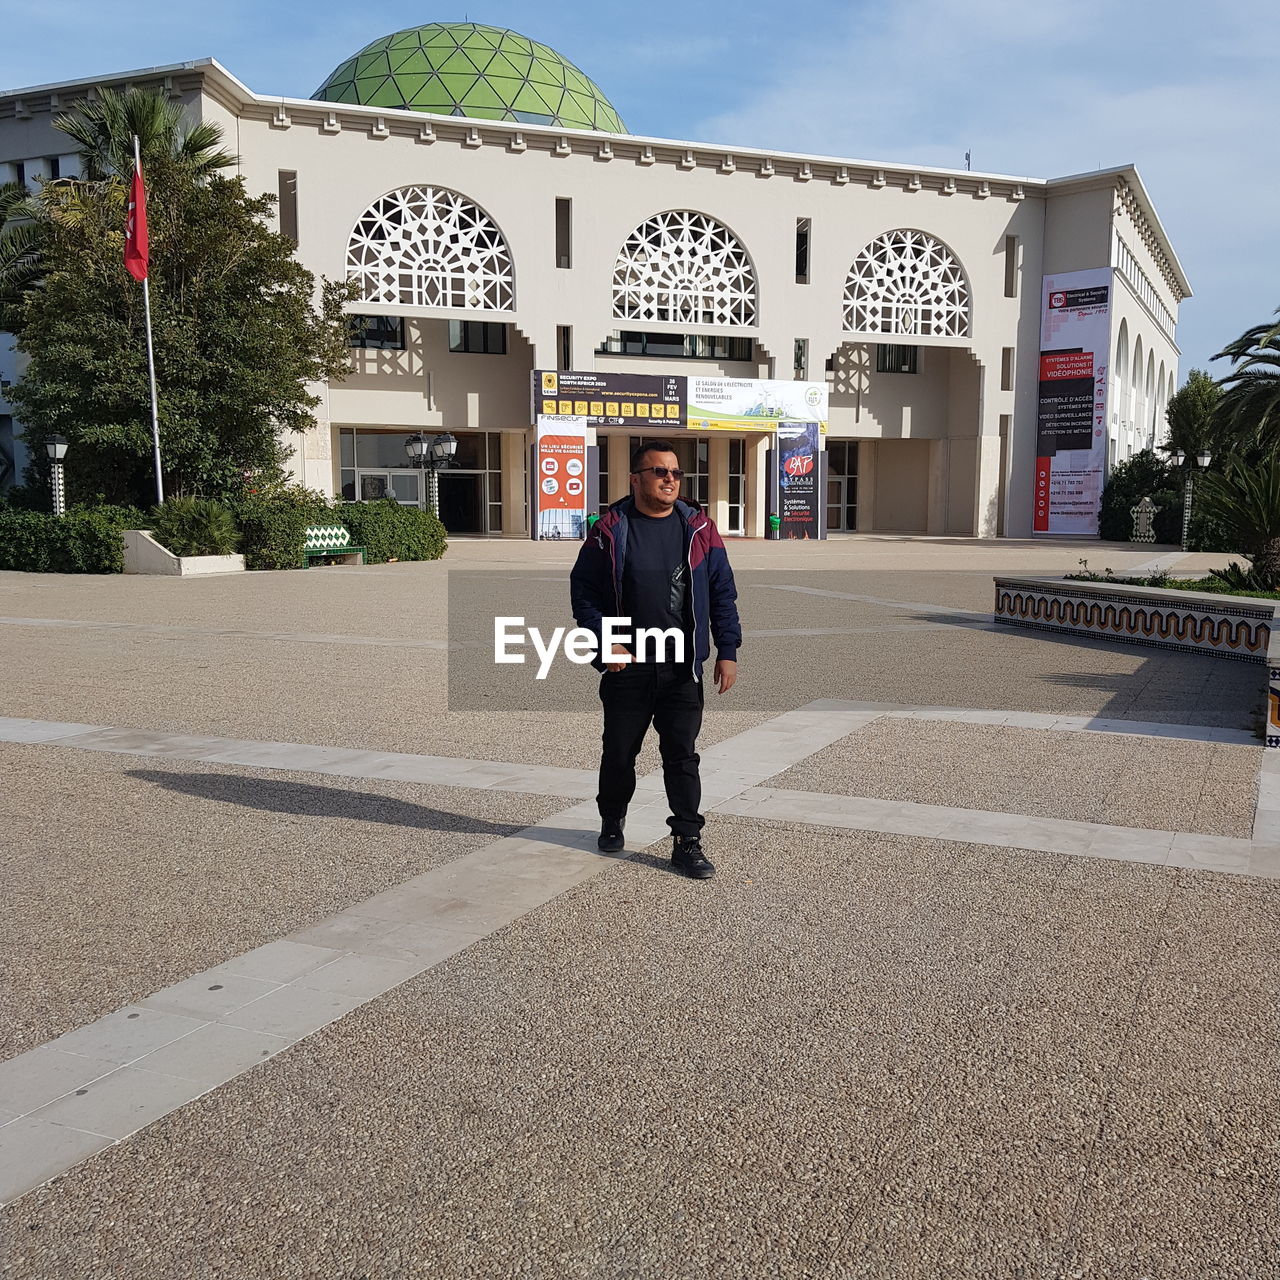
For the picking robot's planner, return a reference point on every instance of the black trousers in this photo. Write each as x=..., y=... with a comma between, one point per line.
x=667, y=696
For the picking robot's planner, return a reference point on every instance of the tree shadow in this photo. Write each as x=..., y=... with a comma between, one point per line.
x=307, y=800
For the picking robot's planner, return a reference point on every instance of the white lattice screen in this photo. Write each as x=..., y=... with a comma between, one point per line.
x=429, y=247
x=907, y=283
x=684, y=266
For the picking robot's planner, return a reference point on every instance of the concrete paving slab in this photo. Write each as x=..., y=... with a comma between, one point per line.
x=120, y=1103
x=39, y=1077
x=33, y=1150
x=213, y=1054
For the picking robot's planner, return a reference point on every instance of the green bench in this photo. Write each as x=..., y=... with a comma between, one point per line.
x=330, y=544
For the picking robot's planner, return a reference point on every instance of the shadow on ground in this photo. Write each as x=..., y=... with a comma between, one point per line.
x=305, y=800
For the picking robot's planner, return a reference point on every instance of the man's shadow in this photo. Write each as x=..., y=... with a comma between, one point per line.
x=306, y=800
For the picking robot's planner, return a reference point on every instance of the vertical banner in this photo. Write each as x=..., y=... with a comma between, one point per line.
x=797, y=479
x=560, y=480
x=1071, y=421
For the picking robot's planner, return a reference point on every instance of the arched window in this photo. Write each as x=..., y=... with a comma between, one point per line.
x=905, y=282
x=1137, y=409
x=430, y=247
x=1149, y=424
x=1121, y=370
x=684, y=266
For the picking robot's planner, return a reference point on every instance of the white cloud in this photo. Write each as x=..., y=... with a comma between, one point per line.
x=1054, y=90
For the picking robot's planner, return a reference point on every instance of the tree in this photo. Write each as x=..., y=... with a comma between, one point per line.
x=239, y=331
x=1190, y=414
x=1249, y=411
x=1245, y=500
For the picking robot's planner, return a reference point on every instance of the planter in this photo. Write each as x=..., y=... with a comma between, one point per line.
x=143, y=554
x=1220, y=626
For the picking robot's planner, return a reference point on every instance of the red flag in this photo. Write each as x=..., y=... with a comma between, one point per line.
x=137, y=254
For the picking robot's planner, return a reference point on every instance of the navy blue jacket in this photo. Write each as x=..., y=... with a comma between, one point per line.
x=595, y=585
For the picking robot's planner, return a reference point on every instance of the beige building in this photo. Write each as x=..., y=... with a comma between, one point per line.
x=492, y=238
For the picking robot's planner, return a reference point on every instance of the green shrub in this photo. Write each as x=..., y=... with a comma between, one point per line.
x=195, y=527
x=85, y=540
x=274, y=529
x=388, y=531
x=1142, y=476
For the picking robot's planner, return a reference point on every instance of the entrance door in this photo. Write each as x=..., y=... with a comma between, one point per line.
x=835, y=504
x=461, y=502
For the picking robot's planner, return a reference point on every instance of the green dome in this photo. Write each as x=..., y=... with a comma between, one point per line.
x=464, y=69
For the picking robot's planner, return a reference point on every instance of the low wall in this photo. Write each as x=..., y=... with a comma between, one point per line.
x=1234, y=627
x=143, y=554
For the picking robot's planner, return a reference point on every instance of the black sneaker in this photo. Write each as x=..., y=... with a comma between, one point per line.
x=687, y=858
x=610, y=835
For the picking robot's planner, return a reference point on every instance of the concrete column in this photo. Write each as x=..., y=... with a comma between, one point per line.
x=867, y=485
x=515, y=468
x=754, y=481
x=989, y=486
x=939, y=457
x=718, y=480
x=619, y=467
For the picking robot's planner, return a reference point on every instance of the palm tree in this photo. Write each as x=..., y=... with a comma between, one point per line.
x=1245, y=500
x=1250, y=404
x=105, y=127
x=19, y=241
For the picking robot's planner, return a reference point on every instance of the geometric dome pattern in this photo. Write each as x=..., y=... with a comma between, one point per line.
x=466, y=69
x=431, y=247
x=909, y=284
x=684, y=266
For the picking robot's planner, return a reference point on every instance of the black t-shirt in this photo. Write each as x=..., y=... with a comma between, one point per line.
x=655, y=578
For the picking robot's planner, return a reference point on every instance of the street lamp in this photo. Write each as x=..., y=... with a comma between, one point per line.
x=1204, y=457
x=432, y=454
x=57, y=447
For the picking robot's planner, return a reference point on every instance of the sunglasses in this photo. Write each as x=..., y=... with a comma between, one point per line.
x=663, y=472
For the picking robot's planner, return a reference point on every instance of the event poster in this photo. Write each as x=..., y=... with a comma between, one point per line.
x=560, y=489
x=610, y=399
x=753, y=404
x=799, y=444
x=1071, y=420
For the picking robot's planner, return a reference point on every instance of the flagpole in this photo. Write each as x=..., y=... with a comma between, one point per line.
x=151, y=355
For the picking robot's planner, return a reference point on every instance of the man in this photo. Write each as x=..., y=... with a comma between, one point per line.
x=659, y=562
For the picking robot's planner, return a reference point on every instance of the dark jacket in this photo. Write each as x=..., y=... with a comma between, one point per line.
x=595, y=585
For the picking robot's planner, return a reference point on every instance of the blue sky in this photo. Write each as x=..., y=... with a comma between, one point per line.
x=1180, y=88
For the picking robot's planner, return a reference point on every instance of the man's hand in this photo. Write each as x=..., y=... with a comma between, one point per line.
x=726, y=675
x=618, y=658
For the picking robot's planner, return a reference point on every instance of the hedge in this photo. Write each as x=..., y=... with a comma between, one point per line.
x=388, y=531
x=85, y=540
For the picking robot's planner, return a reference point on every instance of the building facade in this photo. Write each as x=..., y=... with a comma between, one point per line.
x=498, y=233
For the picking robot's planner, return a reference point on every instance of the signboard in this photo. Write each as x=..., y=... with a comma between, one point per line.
x=610, y=399
x=1071, y=422
x=753, y=404
x=799, y=473
x=560, y=480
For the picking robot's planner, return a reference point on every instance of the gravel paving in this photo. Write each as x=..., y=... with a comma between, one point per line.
x=124, y=874
x=1166, y=784
x=848, y=1055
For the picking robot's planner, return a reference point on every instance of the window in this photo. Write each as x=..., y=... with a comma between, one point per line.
x=564, y=233
x=907, y=283
x=800, y=359
x=802, y=250
x=384, y=333
x=376, y=332
x=685, y=267
x=7, y=465
x=1011, y=266
x=478, y=337
x=288, y=206
x=55, y=167
x=20, y=173
x=1006, y=369
x=564, y=346
x=893, y=358
x=681, y=346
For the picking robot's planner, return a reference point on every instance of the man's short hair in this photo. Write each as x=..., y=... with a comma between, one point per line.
x=649, y=446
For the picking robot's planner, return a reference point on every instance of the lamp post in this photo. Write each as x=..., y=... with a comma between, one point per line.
x=57, y=447
x=432, y=454
x=1204, y=457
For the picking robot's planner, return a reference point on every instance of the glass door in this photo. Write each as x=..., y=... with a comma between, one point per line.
x=736, y=523
x=835, y=504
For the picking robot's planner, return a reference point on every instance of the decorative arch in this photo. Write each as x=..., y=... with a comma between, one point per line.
x=1149, y=425
x=1121, y=367
x=907, y=283
x=684, y=266
x=1137, y=409
x=431, y=247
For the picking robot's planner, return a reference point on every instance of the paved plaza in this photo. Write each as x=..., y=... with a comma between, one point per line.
x=311, y=967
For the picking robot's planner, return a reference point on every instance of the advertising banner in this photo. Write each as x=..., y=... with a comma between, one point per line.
x=610, y=399
x=1071, y=422
x=560, y=481
x=799, y=474
x=753, y=404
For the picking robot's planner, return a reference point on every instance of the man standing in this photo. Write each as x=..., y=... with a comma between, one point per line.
x=659, y=562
